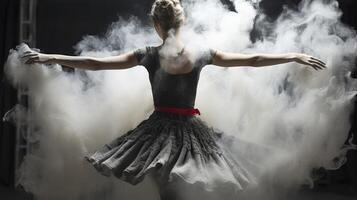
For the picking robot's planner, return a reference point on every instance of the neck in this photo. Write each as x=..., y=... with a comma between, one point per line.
x=172, y=37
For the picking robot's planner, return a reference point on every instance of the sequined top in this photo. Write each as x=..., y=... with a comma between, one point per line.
x=168, y=89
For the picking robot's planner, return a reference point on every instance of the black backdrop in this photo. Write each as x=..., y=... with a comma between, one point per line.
x=62, y=23
x=9, y=10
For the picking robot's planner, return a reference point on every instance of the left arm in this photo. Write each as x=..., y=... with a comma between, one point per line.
x=122, y=61
x=224, y=59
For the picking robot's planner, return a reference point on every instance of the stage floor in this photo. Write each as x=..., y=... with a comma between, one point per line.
x=11, y=194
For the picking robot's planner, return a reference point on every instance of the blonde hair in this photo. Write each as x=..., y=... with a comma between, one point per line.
x=168, y=13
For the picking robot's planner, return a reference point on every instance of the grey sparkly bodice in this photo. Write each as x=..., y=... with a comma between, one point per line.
x=172, y=90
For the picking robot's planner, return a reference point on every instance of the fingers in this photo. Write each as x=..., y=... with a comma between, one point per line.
x=30, y=57
x=321, y=66
x=317, y=60
x=27, y=55
x=316, y=63
x=315, y=67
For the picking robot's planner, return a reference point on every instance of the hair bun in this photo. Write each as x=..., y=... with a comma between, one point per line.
x=168, y=13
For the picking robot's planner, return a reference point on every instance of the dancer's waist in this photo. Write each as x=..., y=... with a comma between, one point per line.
x=178, y=111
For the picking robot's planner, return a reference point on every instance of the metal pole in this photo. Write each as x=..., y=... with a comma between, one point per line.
x=23, y=130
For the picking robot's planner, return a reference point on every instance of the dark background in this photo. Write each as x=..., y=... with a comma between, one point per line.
x=62, y=23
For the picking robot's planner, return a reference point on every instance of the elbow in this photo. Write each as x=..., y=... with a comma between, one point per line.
x=256, y=60
x=93, y=64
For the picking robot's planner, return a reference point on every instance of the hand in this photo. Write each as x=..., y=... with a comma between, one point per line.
x=311, y=61
x=32, y=57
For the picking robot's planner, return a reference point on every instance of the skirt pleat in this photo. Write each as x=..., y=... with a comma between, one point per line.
x=174, y=147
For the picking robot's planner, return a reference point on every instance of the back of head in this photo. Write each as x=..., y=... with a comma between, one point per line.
x=168, y=13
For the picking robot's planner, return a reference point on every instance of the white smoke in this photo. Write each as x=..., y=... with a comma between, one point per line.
x=293, y=117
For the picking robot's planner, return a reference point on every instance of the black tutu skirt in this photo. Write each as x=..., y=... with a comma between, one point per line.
x=174, y=147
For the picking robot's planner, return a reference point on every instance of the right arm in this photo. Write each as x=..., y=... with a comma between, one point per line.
x=123, y=61
x=225, y=59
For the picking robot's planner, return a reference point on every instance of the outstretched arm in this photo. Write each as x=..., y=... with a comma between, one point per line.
x=122, y=61
x=224, y=59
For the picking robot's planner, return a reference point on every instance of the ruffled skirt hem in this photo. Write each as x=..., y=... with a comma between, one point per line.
x=177, y=149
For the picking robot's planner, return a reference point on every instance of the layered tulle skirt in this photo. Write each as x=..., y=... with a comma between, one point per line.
x=173, y=148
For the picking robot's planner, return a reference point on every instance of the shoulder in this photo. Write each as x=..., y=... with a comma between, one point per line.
x=210, y=53
x=206, y=56
x=144, y=54
x=140, y=52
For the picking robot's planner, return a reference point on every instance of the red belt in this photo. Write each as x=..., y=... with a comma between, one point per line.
x=180, y=111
